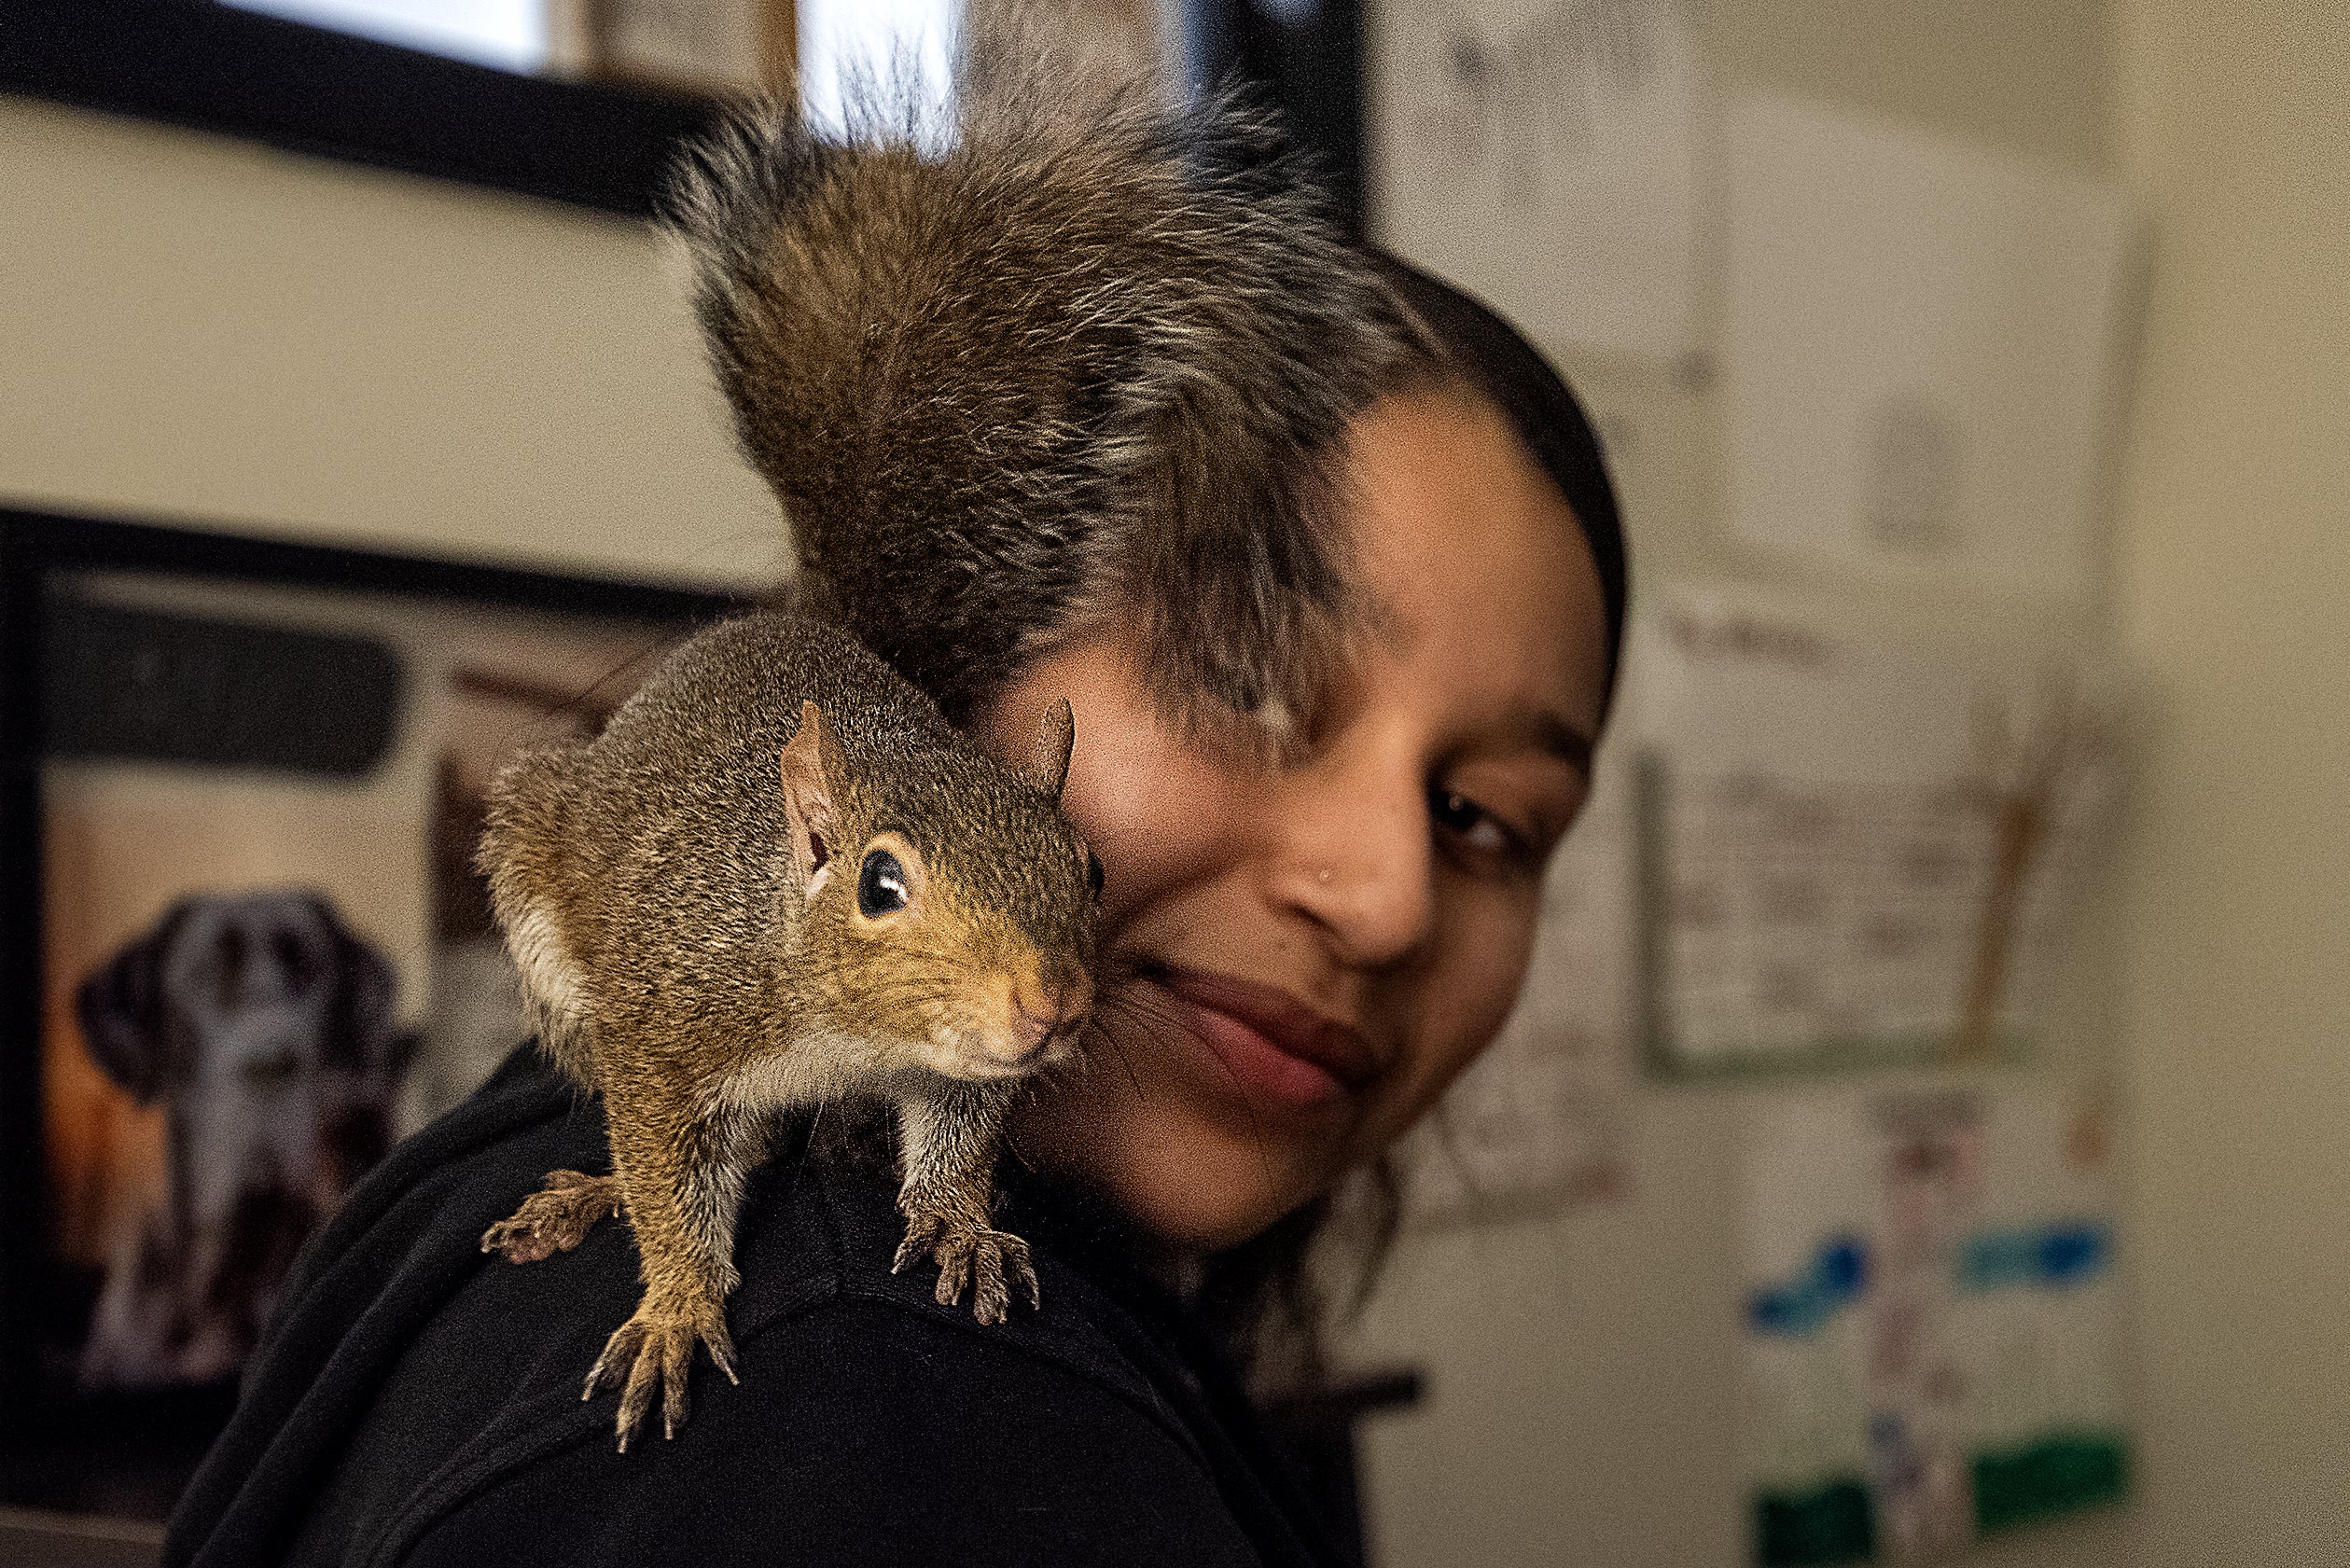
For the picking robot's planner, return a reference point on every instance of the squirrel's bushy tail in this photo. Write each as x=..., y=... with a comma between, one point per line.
x=1086, y=356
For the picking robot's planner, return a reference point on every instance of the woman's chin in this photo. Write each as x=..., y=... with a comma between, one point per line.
x=1185, y=1178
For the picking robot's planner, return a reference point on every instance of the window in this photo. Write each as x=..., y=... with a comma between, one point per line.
x=510, y=35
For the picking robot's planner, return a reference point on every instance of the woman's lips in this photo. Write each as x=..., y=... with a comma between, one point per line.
x=1274, y=1046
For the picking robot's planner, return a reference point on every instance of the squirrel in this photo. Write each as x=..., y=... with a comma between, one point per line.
x=779, y=877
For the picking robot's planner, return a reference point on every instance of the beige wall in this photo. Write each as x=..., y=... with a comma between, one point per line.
x=198, y=327
x=2233, y=536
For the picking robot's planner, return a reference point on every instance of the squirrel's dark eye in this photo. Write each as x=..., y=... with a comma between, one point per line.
x=1093, y=874
x=880, y=886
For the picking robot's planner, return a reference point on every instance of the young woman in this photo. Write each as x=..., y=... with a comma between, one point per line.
x=1321, y=948
x=1310, y=945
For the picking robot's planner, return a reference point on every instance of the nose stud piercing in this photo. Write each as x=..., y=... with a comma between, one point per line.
x=1323, y=876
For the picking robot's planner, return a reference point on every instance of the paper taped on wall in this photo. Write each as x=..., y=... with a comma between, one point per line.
x=1919, y=349
x=1545, y=156
x=1930, y=1319
x=1856, y=829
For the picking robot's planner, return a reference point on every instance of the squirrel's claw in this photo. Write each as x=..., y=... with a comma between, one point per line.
x=556, y=1218
x=999, y=1260
x=922, y=1230
x=652, y=1353
x=990, y=1260
x=1025, y=1272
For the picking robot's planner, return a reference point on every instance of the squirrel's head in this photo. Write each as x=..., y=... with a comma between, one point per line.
x=949, y=905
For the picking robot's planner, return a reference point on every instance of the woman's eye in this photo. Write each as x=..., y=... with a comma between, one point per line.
x=1469, y=821
x=880, y=886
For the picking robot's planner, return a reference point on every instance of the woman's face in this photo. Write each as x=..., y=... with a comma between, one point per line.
x=1321, y=946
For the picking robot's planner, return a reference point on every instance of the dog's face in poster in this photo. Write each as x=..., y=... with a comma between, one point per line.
x=243, y=945
x=264, y=1029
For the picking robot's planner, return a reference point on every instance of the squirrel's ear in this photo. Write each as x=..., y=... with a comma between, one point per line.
x=1047, y=764
x=808, y=800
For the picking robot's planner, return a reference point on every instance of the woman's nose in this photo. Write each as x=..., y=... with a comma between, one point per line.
x=1361, y=864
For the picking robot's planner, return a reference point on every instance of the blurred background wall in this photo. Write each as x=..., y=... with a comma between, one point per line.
x=203, y=329
x=2233, y=583
x=207, y=330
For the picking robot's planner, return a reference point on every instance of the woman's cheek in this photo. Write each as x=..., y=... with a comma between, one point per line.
x=1156, y=815
x=1472, y=985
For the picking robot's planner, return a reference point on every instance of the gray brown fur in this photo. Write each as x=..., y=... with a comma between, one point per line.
x=653, y=885
x=1091, y=360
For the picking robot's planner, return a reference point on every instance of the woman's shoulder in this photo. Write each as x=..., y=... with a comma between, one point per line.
x=861, y=1431
x=420, y=1402
x=871, y=1423
x=817, y=1249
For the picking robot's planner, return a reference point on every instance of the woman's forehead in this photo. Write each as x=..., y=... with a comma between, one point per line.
x=1480, y=577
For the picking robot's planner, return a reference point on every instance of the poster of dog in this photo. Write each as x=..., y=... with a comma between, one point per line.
x=263, y=966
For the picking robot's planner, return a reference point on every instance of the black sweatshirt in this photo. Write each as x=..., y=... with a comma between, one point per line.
x=417, y=1401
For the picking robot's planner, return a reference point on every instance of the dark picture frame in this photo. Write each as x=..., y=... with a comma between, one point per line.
x=311, y=89
x=128, y=1454
x=595, y=145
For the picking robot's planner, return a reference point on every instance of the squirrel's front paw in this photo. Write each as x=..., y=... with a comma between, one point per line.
x=650, y=1355
x=555, y=1218
x=964, y=1252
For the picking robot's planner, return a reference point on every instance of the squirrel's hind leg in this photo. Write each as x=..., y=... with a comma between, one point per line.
x=555, y=1218
x=948, y=1139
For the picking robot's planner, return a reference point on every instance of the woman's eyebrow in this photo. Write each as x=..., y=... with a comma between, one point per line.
x=1543, y=730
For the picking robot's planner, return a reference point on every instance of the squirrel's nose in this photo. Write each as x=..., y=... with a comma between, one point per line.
x=1042, y=1010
